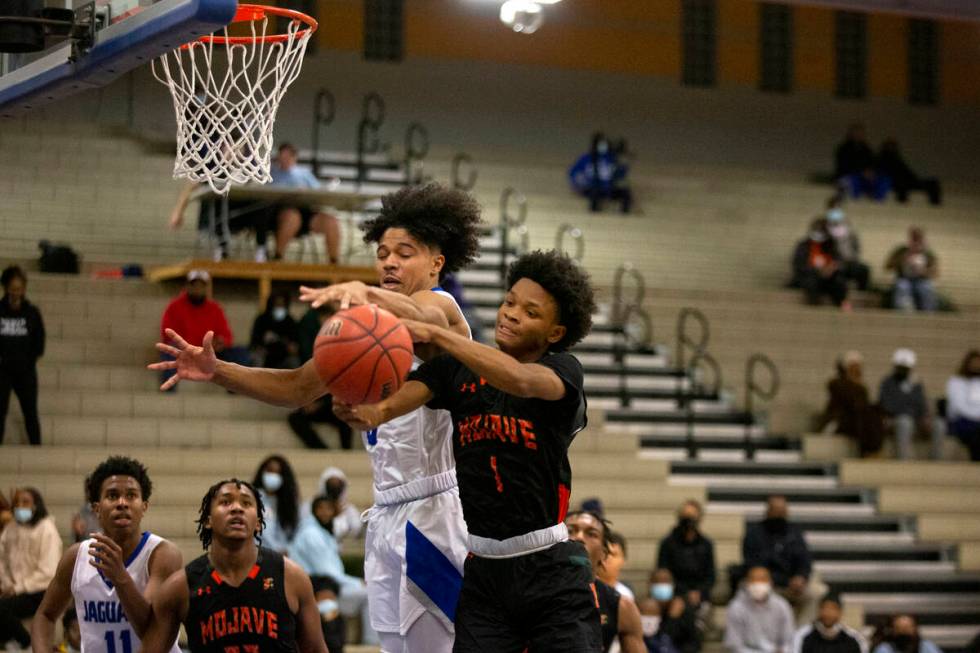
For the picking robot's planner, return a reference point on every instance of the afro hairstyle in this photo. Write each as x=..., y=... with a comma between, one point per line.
x=567, y=283
x=436, y=216
x=117, y=466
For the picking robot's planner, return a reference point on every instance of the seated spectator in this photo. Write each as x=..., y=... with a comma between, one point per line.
x=906, y=409
x=301, y=420
x=609, y=569
x=315, y=549
x=325, y=591
x=854, y=167
x=915, y=266
x=72, y=641
x=6, y=512
x=275, y=335
x=276, y=482
x=828, y=634
x=30, y=549
x=656, y=640
x=689, y=555
x=599, y=175
x=817, y=267
x=293, y=221
x=758, y=619
x=850, y=409
x=848, y=245
x=903, y=637
x=595, y=506
x=192, y=314
x=963, y=403
x=678, y=620
x=21, y=345
x=347, y=520
x=242, y=215
x=778, y=545
x=890, y=162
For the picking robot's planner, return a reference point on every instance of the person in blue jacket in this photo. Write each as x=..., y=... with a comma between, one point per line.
x=599, y=175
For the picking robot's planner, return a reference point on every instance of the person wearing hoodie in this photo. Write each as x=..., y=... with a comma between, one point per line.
x=689, y=555
x=347, y=518
x=828, y=634
x=275, y=335
x=906, y=409
x=598, y=175
x=817, y=267
x=21, y=344
x=903, y=637
x=848, y=244
x=30, y=549
x=758, y=619
x=678, y=619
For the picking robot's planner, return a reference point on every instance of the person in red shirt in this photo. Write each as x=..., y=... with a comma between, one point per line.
x=192, y=314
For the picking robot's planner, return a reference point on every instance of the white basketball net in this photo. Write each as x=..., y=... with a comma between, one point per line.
x=225, y=99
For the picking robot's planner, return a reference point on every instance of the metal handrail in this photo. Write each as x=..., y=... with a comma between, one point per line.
x=576, y=234
x=754, y=390
x=684, y=340
x=415, y=134
x=458, y=161
x=507, y=221
x=641, y=291
x=324, y=112
x=368, y=141
x=685, y=398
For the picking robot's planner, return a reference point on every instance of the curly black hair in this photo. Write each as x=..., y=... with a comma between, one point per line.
x=287, y=496
x=606, y=526
x=204, y=533
x=434, y=215
x=117, y=466
x=567, y=283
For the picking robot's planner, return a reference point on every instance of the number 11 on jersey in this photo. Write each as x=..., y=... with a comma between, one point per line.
x=125, y=638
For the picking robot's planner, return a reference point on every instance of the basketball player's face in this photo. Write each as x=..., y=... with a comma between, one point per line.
x=121, y=506
x=406, y=265
x=589, y=531
x=527, y=320
x=234, y=513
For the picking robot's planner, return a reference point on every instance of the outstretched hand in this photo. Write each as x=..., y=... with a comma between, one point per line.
x=370, y=415
x=191, y=362
x=344, y=295
x=345, y=413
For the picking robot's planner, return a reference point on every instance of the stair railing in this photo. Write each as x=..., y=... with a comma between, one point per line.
x=508, y=221
x=369, y=131
x=624, y=314
x=324, y=112
x=754, y=389
x=461, y=161
x=416, y=149
x=577, y=237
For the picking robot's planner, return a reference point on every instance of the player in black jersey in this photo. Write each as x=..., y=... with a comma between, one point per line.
x=515, y=411
x=238, y=597
x=618, y=615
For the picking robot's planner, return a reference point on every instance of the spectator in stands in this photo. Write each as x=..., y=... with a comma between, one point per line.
x=891, y=163
x=275, y=335
x=854, y=167
x=6, y=512
x=192, y=314
x=817, y=267
x=320, y=411
x=963, y=403
x=276, y=482
x=315, y=549
x=903, y=637
x=828, y=634
x=758, y=619
x=689, y=555
x=656, y=640
x=915, y=266
x=292, y=221
x=778, y=545
x=21, y=344
x=242, y=215
x=72, y=641
x=599, y=175
x=325, y=591
x=595, y=506
x=347, y=519
x=85, y=521
x=678, y=620
x=609, y=569
x=847, y=243
x=30, y=549
x=906, y=409
x=850, y=409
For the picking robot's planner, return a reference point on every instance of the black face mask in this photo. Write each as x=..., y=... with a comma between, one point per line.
x=687, y=524
x=905, y=643
x=327, y=526
x=902, y=373
x=196, y=300
x=333, y=490
x=776, y=524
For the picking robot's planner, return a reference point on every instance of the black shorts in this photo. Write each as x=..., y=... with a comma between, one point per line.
x=543, y=602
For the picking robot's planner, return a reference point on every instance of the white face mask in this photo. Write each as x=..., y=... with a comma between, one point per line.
x=327, y=607
x=825, y=632
x=23, y=515
x=650, y=623
x=271, y=481
x=279, y=313
x=759, y=591
x=835, y=215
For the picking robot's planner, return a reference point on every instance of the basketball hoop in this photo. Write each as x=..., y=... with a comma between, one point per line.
x=226, y=91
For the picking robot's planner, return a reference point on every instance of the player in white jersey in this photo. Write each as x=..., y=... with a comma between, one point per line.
x=113, y=575
x=416, y=538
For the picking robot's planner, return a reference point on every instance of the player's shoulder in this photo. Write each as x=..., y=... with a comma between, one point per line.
x=165, y=555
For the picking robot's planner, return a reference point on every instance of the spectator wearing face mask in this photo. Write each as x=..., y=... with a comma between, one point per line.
x=656, y=640
x=828, y=634
x=275, y=335
x=904, y=637
x=347, y=523
x=276, y=482
x=778, y=545
x=30, y=549
x=678, y=620
x=325, y=591
x=611, y=566
x=758, y=619
x=915, y=266
x=848, y=245
x=817, y=267
x=599, y=175
x=963, y=403
x=903, y=401
x=689, y=555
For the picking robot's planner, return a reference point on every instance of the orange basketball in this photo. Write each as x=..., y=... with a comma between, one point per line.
x=363, y=354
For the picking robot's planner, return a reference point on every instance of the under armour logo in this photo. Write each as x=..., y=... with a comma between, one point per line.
x=471, y=387
x=268, y=583
x=201, y=591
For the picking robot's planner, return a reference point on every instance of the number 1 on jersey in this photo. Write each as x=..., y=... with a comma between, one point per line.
x=496, y=474
x=124, y=636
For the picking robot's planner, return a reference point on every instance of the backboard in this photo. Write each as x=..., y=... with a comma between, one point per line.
x=128, y=34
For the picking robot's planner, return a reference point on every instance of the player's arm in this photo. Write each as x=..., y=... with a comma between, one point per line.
x=424, y=306
x=169, y=609
x=630, y=628
x=309, y=632
x=291, y=388
x=56, y=599
x=164, y=561
x=500, y=370
x=412, y=395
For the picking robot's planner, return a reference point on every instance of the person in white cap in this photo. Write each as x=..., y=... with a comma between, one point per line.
x=903, y=400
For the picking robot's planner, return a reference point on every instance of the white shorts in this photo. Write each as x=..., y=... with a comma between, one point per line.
x=413, y=561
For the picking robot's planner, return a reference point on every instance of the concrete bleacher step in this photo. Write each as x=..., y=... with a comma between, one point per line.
x=884, y=580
